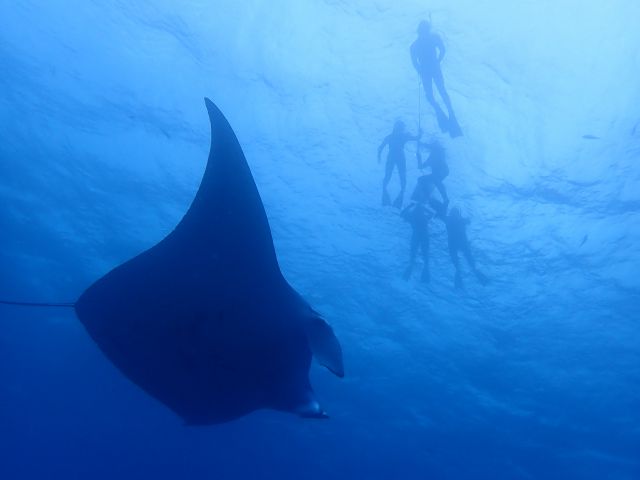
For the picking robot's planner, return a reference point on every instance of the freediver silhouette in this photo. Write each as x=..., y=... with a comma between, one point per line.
x=457, y=240
x=396, y=142
x=427, y=52
x=437, y=162
x=418, y=216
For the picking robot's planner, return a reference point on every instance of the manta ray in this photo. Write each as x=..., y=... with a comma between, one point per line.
x=204, y=321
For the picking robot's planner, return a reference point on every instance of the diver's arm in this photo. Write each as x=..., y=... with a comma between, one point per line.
x=440, y=47
x=414, y=57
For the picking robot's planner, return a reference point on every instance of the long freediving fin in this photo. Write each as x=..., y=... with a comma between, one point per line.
x=443, y=121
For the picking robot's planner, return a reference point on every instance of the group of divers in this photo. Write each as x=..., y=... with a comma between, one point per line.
x=427, y=51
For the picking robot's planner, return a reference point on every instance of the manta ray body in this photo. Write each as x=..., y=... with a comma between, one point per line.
x=204, y=321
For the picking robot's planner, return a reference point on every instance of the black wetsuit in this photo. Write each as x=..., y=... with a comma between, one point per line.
x=395, y=158
x=439, y=171
x=457, y=240
x=426, y=54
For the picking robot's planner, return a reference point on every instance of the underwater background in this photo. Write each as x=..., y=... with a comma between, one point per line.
x=104, y=139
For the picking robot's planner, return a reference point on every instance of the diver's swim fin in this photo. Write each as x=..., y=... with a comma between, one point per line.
x=443, y=121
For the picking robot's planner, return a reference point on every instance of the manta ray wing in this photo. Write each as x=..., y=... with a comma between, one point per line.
x=204, y=321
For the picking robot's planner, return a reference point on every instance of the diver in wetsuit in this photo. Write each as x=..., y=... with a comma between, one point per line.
x=427, y=53
x=395, y=158
x=457, y=239
x=418, y=217
x=439, y=170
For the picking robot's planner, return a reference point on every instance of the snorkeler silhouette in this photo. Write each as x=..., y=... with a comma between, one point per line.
x=418, y=217
x=427, y=53
x=457, y=239
x=395, y=158
x=439, y=171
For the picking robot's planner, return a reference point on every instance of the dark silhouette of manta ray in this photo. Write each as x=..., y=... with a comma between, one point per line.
x=204, y=321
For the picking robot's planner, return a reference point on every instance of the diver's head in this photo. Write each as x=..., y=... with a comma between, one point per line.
x=398, y=127
x=424, y=28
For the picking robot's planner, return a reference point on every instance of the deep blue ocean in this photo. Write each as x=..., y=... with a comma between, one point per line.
x=104, y=139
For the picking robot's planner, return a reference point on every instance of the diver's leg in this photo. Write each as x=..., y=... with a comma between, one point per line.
x=467, y=253
x=428, y=90
x=438, y=79
x=453, y=126
x=412, y=254
x=453, y=253
x=402, y=172
x=428, y=183
x=424, y=245
x=387, y=176
x=472, y=263
x=443, y=191
x=443, y=122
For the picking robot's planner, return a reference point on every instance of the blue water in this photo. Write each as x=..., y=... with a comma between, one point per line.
x=104, y=139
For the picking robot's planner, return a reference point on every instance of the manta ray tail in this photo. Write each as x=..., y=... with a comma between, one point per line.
x=38, y=304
